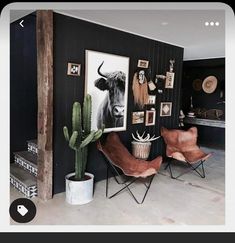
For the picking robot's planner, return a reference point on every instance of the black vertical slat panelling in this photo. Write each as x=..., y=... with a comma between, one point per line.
x=72, y=37
x=23, y=84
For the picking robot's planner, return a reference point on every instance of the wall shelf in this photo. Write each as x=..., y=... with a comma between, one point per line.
x=204, y=122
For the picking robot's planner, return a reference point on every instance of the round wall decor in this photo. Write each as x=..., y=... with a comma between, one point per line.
x=197, y=84
x=209, y=84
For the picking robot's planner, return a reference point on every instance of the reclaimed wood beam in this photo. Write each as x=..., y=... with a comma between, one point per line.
x=44, y=26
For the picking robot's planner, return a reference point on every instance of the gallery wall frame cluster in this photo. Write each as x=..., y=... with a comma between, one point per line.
x=104, y=73
x=106, y=96
x=147, y=114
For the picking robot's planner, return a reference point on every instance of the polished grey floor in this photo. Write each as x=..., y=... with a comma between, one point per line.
x=189, y=200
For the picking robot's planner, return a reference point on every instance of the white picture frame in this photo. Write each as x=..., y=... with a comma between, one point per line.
x=150, y=117
x=143, y=63
x=151, y=99
x=169, y=82
x=113, y=67
x=137, y=117
x=165, y=109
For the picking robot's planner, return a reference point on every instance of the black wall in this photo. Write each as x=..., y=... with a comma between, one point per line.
x=71, y=38
x=200, y=69
x=23, y=84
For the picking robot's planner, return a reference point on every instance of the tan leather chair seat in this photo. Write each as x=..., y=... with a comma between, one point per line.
x=118, y=154
x=182, y=145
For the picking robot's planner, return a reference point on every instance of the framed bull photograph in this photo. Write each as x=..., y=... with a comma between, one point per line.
x=107, y=82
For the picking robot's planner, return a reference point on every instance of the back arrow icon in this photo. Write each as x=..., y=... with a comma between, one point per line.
x=21, y=23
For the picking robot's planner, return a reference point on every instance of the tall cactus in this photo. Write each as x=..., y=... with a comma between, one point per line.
x=81, y=135
x=87, y=114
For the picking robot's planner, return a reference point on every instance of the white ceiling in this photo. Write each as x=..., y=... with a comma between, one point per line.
x=185, y=28
x=18, y=14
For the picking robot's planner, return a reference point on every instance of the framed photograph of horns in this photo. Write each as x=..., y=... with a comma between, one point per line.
x=106, y=80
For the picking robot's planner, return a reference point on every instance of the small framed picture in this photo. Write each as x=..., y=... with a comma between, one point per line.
x=150, y=117
x=74, y=69
x=137, y=117
x=151, y=85
x=152, y=99
x=143, y=63
x=169, y=80
x=165, y=109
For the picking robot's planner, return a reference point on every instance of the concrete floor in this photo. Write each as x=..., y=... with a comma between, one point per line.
x=189, y=200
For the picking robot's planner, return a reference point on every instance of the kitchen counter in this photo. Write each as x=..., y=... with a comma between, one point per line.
x=204, y=122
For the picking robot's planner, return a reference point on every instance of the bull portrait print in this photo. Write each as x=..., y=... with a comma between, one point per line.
x=108, y=86
x=111, y=110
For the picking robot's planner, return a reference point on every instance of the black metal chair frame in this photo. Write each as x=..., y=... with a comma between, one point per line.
x=129, y=181
x=191, y=168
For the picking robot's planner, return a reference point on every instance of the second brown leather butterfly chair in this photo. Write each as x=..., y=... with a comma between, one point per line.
x=118, y=158
x=182, y=146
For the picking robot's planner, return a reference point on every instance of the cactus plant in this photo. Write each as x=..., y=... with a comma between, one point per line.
x=81, y=135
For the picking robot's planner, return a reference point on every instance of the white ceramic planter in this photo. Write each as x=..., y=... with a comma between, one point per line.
x=79, y=192
x=141, y=150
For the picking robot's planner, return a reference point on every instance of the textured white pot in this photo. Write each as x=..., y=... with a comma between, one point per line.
x=141, y=150
x=79, y=192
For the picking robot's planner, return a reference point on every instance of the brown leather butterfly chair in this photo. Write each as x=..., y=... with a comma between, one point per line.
x=182, y=146
x=119, y=161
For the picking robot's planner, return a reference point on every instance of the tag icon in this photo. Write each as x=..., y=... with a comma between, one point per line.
x=22, y=210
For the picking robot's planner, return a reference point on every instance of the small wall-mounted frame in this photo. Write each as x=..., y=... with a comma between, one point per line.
x=143, y=63
x=137, y=117
x=151, y=85
x=74, y=69
x=152, y=100
x=169, y=80
x=150, y=117
x=165, y=109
